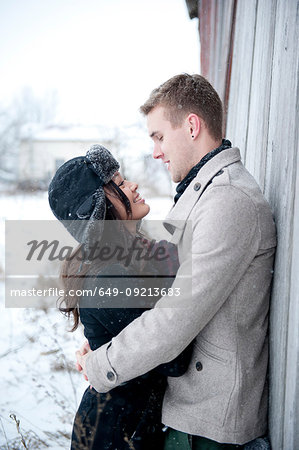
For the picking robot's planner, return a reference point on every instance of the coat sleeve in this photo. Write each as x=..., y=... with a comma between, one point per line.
x=115, y=320
x=102, y=323
x=225, y=240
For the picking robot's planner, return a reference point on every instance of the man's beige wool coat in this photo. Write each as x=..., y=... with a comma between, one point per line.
x=223, y=395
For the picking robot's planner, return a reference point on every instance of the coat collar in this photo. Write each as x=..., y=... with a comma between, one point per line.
x=176, y=219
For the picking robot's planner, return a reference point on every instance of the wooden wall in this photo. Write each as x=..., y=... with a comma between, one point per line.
x=261, y=70
x=216, y=26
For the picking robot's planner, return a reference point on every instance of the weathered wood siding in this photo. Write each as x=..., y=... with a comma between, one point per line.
x=263, y=119
x=216, y=36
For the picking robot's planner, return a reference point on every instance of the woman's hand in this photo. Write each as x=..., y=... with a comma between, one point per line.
x=81, y=356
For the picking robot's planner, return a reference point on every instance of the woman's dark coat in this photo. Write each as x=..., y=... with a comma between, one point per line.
x=128, y=417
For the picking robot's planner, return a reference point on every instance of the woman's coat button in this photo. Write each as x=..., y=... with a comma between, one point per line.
x=198, y=366
x=110, y=376
x=197, y=186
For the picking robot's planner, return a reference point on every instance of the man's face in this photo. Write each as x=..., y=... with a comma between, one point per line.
x=172, y=145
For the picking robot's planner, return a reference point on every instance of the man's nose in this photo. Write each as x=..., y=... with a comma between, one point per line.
x=157, y=153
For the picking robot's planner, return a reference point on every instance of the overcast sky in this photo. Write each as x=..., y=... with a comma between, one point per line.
x=102, y=57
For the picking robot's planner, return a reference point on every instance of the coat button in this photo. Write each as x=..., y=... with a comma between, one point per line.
x=197, y=186
x=198, y=366
x=110, y=376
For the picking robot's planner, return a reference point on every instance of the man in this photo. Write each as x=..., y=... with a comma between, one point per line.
x=222, y=398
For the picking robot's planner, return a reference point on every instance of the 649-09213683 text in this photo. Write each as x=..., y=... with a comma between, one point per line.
x=100, y=291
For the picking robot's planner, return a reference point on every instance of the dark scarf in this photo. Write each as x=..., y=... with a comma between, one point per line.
x=182, y=186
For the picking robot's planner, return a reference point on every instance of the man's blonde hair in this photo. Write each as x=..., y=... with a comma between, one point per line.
x=185, y=94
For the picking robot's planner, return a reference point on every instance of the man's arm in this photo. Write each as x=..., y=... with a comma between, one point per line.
x=225, y=240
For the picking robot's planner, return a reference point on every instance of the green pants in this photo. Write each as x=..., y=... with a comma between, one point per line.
x=176, y=440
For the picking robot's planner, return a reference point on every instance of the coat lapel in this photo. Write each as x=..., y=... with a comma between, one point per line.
x=178, y=215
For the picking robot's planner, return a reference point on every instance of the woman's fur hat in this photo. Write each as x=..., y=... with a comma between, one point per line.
x=76, y=194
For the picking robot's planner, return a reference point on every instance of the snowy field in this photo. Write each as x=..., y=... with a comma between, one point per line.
x=39, y=386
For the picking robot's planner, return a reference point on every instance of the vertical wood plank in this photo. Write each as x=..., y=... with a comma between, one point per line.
x=238, y=106
x=215, y=20
x=291, y=411
x=259, y=101
x=223, y=18
x=280, y=183
x=205, y=18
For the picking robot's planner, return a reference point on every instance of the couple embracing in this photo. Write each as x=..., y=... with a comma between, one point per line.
x=186, y=372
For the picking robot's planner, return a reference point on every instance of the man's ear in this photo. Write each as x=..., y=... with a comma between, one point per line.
x=194, y=125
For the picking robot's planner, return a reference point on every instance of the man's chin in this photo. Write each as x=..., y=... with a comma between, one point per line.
x=175, y=178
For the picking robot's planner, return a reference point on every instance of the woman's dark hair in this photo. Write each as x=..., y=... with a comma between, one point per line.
x=73, y=271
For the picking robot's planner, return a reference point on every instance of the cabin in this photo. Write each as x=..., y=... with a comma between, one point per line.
x=43, y=150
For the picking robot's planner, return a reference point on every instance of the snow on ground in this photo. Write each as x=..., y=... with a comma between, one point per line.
x=38, y=381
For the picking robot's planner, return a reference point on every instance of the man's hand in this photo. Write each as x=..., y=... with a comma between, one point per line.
x=81, y=356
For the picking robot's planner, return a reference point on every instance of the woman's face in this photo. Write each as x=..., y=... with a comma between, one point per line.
x=138, y=206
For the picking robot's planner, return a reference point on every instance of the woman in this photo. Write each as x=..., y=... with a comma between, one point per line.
x=102, y=211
